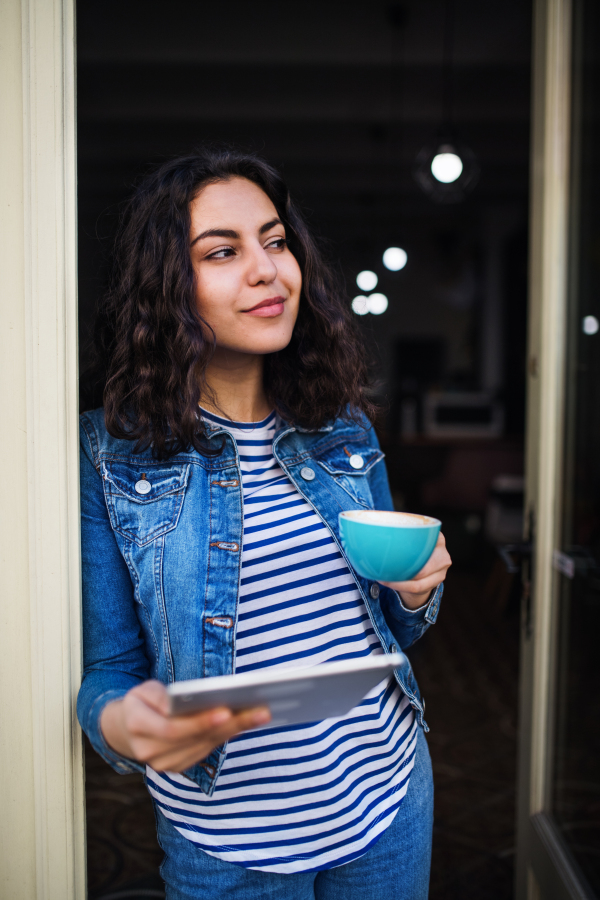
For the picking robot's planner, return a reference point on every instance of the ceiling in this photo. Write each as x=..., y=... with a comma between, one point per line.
x=343, y=94
x=340, y=95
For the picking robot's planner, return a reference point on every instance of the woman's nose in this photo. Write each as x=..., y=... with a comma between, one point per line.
x=262, y=268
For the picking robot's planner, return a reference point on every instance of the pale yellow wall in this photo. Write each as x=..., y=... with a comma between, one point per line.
x=41, y=781
x=17, y=823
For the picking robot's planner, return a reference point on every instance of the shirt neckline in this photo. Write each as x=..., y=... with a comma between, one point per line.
x=268, y=422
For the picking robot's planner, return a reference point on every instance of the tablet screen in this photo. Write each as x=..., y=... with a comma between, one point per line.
x=294, y=696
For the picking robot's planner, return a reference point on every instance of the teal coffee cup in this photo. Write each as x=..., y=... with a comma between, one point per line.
x=388, y=546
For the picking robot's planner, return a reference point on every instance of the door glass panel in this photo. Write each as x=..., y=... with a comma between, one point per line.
x=576, y=770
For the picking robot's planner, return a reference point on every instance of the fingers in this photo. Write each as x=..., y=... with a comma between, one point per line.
x=215, y=726
x=438, y=562
x=184, y=753
x=148, y=716
x=439, y=559
x=138, y=726
x=422, y=582
x=432, y=574
x=422, y=586
x=176, y=742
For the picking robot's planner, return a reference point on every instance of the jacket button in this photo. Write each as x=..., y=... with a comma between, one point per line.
x=393, y=648
x=143, y=487
x=374, y=591
x=307, y=473
x=356, y=461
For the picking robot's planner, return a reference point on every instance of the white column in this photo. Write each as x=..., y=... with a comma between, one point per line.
x=41, y=780
x=548, y=264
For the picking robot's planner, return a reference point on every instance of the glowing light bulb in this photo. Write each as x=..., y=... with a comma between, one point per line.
x=360, y=305
x=366, y=280
x=377, y=304
x=394, y=259
x=590, y=325
x=446, y=166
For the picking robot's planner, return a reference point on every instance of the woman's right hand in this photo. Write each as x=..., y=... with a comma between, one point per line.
x=139, y=727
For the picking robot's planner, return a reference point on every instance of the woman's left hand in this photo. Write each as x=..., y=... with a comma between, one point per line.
x=416, y=592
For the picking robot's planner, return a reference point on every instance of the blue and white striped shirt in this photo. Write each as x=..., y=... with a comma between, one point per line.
x=306, y=797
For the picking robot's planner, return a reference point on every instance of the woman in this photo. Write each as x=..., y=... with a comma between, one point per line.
x=234, y=429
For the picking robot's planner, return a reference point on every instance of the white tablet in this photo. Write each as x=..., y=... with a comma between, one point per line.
x=294, y=696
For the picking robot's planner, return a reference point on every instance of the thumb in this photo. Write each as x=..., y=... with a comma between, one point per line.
x=154, y=694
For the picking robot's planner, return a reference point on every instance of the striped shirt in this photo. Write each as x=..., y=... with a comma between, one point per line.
x=305, y=797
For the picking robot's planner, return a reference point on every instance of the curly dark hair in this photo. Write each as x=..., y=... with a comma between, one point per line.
x=152, y=346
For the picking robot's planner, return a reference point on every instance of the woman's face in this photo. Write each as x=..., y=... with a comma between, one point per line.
x=247, y=281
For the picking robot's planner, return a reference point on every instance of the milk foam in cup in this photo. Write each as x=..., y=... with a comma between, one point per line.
x=388, y=546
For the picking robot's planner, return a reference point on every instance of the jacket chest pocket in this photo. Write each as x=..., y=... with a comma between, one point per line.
x=144, y=502
x=349, y=466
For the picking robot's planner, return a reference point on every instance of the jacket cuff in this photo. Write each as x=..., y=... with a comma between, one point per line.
x=121, y=764
x=428, y=612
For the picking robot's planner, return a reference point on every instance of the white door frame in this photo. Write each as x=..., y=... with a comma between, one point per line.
x=42, y=826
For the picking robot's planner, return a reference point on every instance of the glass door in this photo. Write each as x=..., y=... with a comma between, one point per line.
x=559, y=783
x=575, y=773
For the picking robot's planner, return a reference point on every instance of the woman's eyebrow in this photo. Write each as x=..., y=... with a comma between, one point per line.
x=268, y=225
x=229, y=233
x=216, y=232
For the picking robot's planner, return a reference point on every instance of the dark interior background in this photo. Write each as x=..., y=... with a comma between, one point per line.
x=342, y=96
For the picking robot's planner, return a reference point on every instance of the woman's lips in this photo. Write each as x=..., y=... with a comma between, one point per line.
x=268, y=308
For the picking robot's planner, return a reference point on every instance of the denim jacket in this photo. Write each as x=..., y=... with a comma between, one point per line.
x=161, y=567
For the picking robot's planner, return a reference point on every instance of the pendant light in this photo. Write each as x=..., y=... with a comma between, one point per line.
x=446, y=169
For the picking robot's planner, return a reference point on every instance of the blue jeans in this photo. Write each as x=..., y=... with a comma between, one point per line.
x=396, y=867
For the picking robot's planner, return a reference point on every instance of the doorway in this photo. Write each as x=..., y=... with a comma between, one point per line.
x=346, y=101
x=575, y=789
x=558, y=825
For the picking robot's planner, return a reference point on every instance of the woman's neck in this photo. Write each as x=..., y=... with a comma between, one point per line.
x=235, y=381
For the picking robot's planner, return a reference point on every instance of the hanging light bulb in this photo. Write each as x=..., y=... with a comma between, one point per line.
x=377, y=304
x=360, y=305
x=447, y=170
x=395, y=258
x=367, y=280
x=446, y=165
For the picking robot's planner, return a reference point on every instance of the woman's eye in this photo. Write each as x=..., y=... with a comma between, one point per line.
x=223, y=253
x=277, y=244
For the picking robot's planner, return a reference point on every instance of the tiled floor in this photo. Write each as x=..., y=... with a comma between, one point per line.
x=467, y=669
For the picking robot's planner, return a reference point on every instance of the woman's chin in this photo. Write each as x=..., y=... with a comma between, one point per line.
x=264, y=348
x=261, y=344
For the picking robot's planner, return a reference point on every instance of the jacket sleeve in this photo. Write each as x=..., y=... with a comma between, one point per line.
x=113, y=649
x=407, y=625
